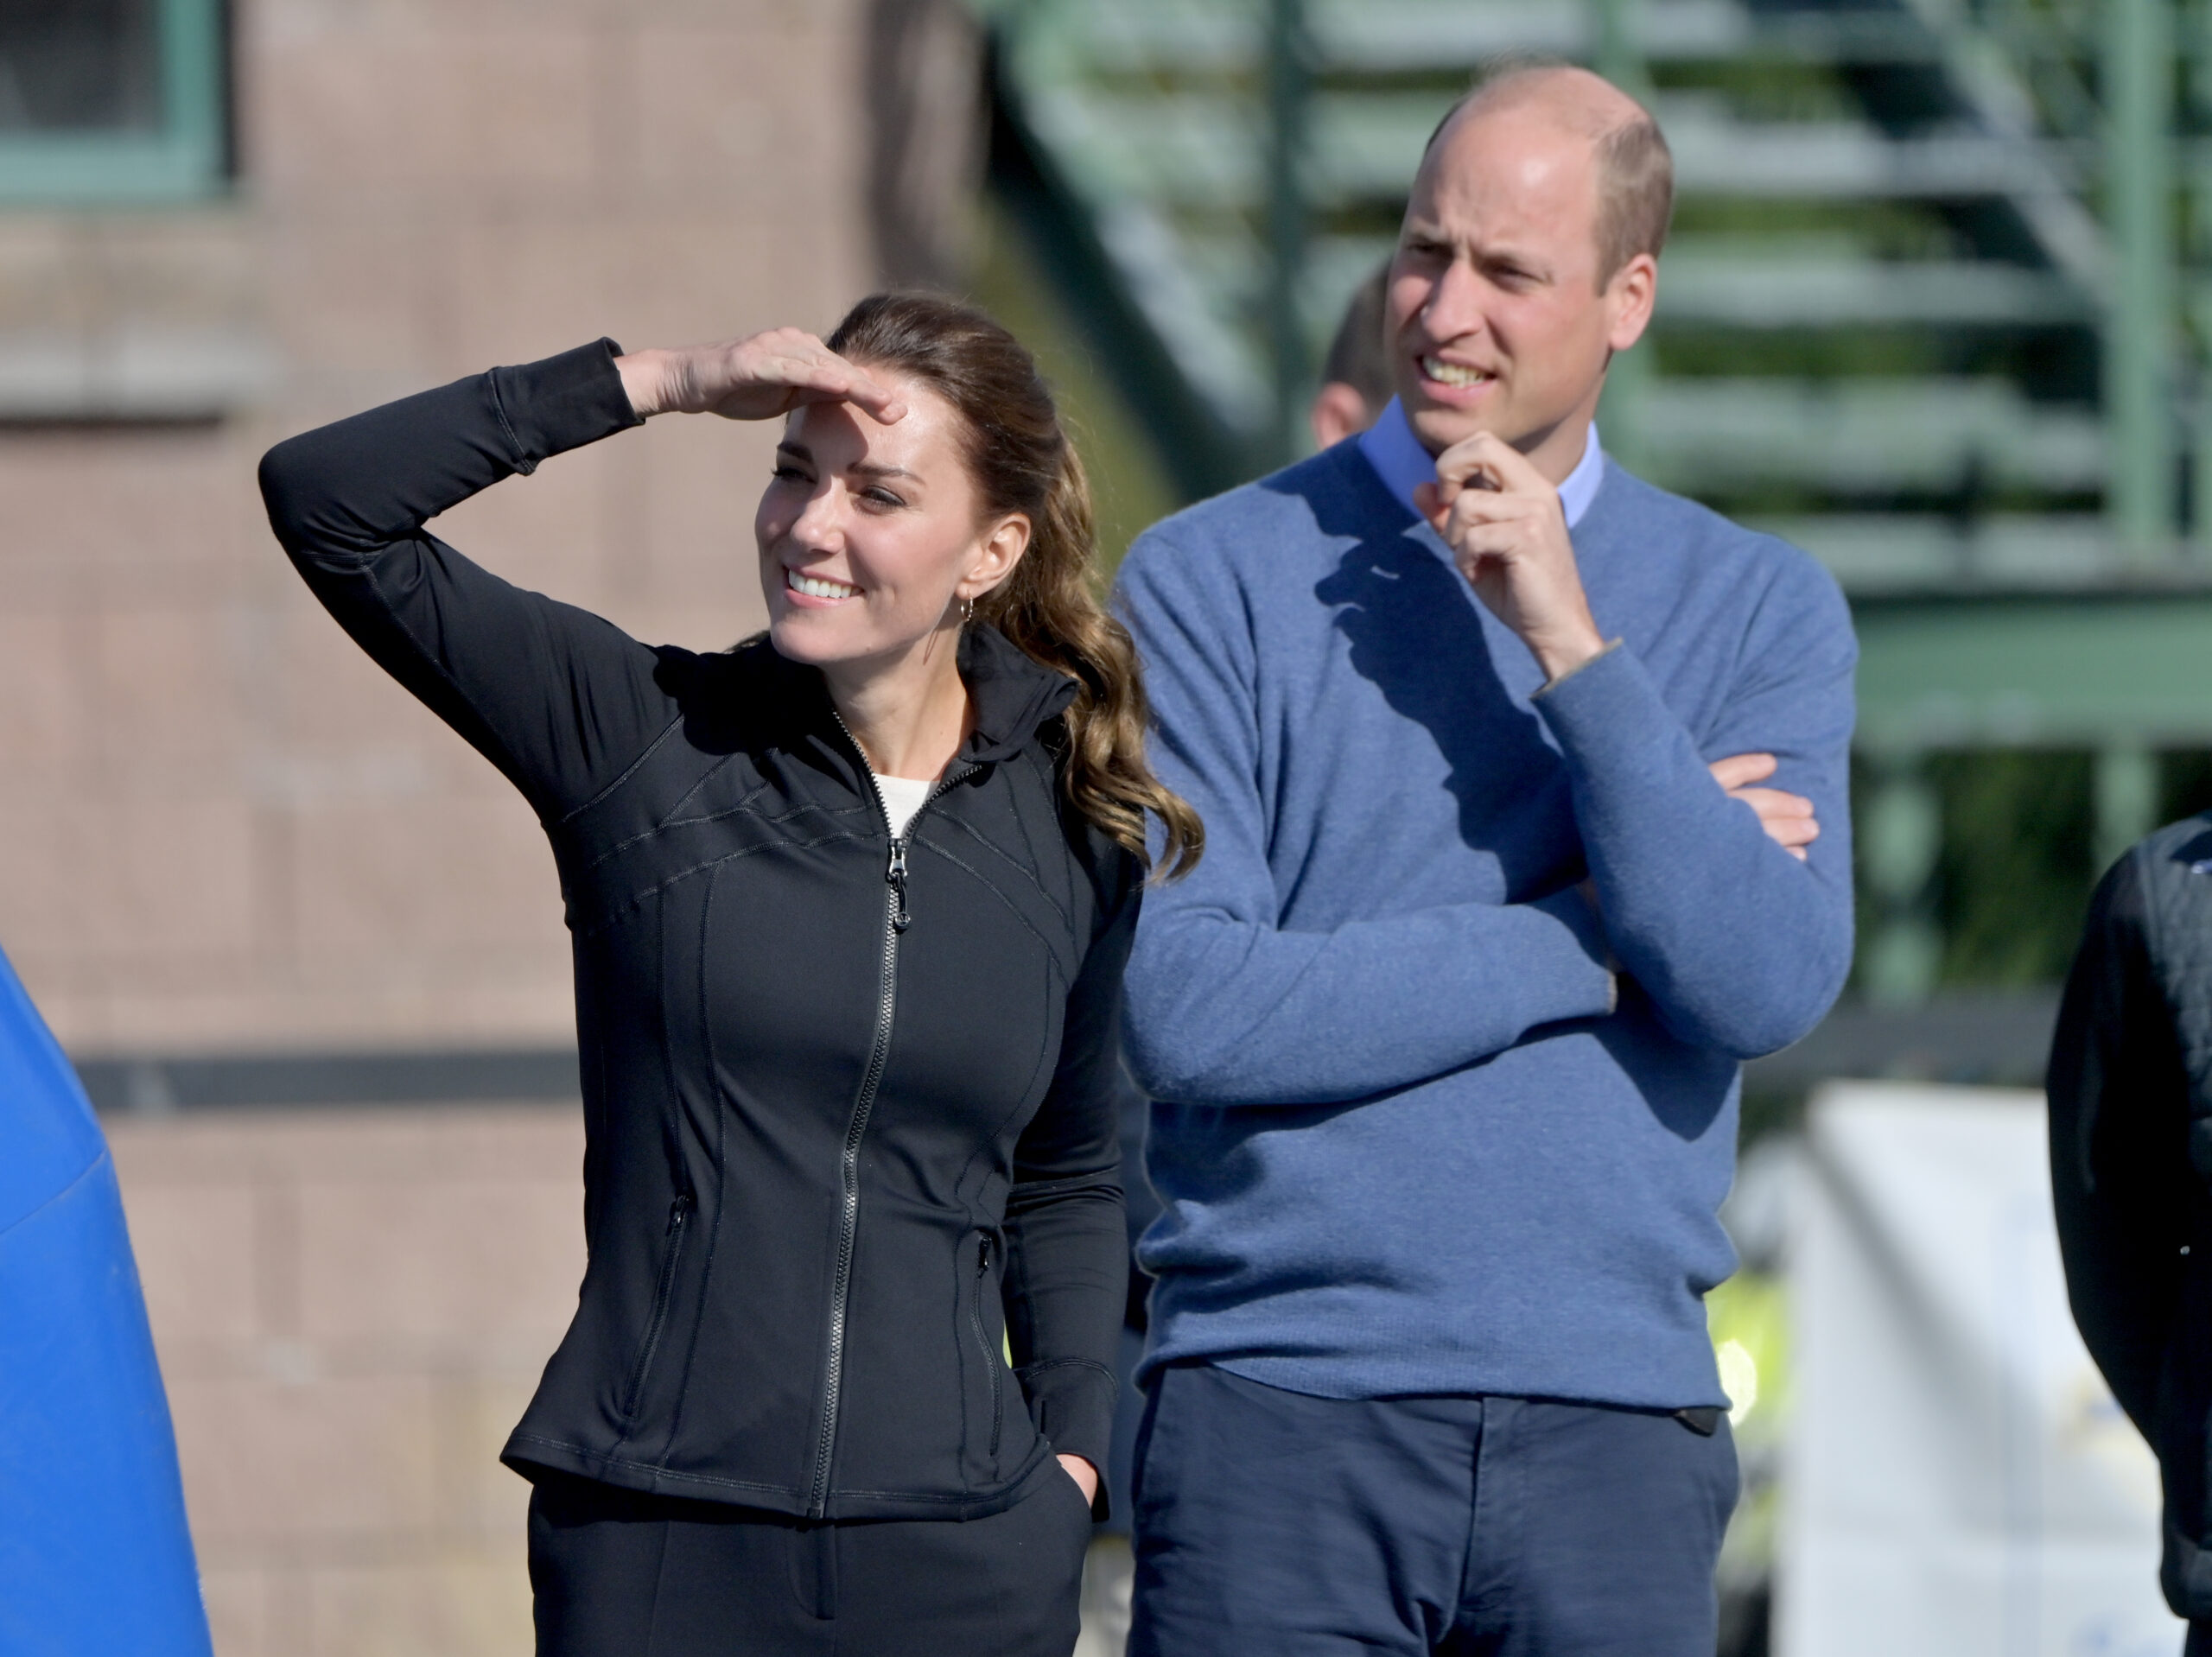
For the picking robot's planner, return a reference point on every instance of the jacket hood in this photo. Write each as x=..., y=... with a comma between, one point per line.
x=1013, y=692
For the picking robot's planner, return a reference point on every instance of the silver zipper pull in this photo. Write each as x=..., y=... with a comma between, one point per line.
x=896, y=874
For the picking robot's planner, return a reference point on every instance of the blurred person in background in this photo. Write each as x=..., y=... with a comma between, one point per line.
x=2130, y=1086
x=1445, y=1033
x=1356, y=378
x=850, y=902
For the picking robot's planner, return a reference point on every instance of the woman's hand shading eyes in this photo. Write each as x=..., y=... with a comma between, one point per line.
x=758, y=378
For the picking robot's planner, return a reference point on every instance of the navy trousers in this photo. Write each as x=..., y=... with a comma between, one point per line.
x=1280, y=1525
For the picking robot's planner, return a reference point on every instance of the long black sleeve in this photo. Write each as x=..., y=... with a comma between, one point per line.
x=1067, y=1251
x=2119, y=1170
x=558, y=699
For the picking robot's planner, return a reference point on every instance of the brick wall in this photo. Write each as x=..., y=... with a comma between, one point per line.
x=222, y=827
x=351, y=1308
x=223, y=830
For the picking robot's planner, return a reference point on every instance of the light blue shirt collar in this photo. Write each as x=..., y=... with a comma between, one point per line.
x=1400, y=460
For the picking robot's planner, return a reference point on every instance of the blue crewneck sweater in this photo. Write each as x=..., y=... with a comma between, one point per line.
x=1413, y=1134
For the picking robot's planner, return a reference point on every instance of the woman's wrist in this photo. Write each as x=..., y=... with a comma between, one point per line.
x=645, y=381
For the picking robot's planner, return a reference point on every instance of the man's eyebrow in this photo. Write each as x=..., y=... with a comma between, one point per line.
x=1485, y=254
x=798, y=451
x=1519, y=258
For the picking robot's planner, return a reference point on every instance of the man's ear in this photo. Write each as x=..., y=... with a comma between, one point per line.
x=1339, y=410
x=1628, y=299
x=1001, y=551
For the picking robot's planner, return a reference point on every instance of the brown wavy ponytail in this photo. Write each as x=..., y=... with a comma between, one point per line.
x=1022, y=462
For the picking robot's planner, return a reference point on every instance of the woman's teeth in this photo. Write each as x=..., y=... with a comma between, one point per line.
x=1446, y=373
x=817, y=587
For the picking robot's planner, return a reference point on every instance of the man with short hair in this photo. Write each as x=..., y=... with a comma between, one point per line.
x=1445, y=1031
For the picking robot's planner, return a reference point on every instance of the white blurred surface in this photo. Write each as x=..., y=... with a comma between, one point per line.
x=1959, y=1482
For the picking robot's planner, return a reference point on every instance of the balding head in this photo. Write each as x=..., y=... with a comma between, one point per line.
x=1528, y=256
x=1635, y=170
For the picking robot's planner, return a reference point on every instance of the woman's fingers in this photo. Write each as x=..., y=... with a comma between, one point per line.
x=809, y=379
x=877, y=400
x=766, y=375
x=818, y=374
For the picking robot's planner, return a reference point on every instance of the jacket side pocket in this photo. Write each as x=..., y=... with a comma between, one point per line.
x=679, y=1215
x=993, y=1365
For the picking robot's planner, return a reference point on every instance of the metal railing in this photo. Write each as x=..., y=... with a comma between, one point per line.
x=1938, y=307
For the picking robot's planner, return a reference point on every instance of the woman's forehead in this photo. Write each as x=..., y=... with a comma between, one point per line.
x=837, y=434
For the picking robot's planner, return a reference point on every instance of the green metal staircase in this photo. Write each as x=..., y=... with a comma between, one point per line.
x=1926, y=311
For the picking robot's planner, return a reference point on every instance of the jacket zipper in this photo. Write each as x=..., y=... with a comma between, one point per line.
x=984, y=1340
x=679, y=1212
x=895, y=921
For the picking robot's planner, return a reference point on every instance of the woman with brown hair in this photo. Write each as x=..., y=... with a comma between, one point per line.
x=851, y=904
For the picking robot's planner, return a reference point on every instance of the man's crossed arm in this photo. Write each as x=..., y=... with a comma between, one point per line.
x=1740, y=948
x=1737, y=952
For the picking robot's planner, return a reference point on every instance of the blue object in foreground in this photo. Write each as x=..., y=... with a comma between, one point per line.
x=95, y=1554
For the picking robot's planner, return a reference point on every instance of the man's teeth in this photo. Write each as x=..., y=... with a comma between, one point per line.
x=1446, y=373
x=815, y=587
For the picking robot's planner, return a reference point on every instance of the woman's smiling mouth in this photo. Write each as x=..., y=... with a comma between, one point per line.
x=818, y=587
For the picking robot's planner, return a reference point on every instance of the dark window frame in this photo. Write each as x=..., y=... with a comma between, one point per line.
x=184, y=158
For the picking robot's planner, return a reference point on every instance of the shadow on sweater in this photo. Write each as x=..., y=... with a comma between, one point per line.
x=1415, y=635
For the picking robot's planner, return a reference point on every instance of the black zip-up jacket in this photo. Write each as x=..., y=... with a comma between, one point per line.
x=2131, y=1169
x=850, y=1101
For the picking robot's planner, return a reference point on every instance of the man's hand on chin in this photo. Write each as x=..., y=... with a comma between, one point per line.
x=1503, y=520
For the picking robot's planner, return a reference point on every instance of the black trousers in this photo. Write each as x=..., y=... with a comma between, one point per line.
x=620, y=1574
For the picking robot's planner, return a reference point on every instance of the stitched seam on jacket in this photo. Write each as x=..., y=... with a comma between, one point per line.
x=1036, y=1069
x=1019, y=1257
x=1026, y=871
x=991, y=1143
x=644, y=753
x=992, y=887
x=1032, y=861
x=714, y=1236
x=370, y=562
x=656, y=1468
x=701, y=781
x=523, y=463
x=368, y=568
x=682, y=875
x=741, y=808
x=607, y=1460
